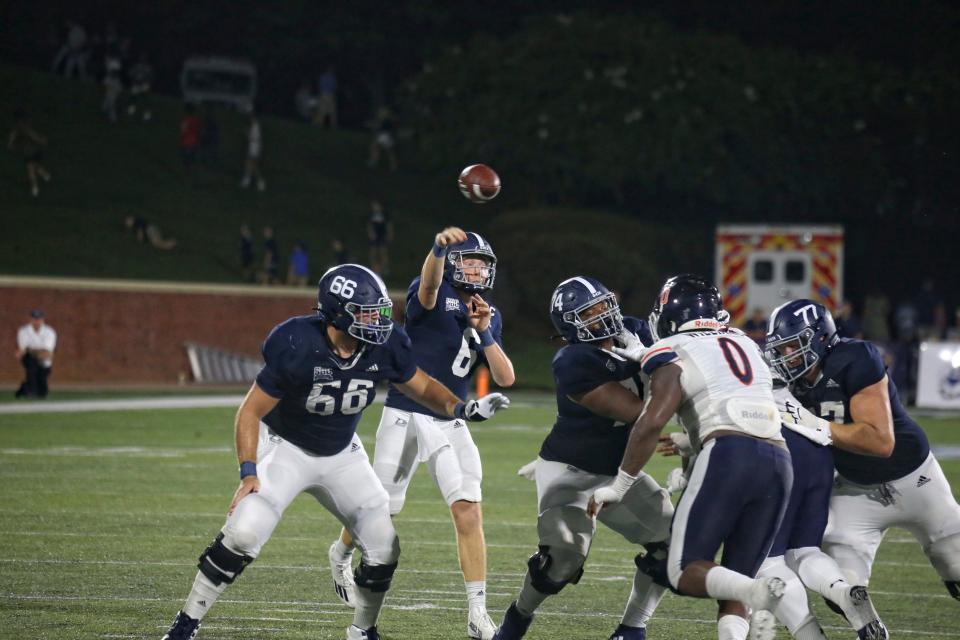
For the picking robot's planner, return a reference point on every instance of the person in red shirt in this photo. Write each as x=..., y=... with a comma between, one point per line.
x=189, y=135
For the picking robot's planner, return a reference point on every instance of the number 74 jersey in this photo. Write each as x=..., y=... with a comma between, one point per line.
x=726, y=383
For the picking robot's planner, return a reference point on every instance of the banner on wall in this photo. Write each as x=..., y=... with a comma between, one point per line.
x=938, y=375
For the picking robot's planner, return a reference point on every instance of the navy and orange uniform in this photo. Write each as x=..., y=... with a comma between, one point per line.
x=580, y=437
x=445, y=346
x=321, y=394
x=852, y=366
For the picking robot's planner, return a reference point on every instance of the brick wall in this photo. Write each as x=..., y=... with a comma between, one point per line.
x=133, y=332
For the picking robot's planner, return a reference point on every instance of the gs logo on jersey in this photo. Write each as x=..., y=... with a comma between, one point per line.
x=322, y=373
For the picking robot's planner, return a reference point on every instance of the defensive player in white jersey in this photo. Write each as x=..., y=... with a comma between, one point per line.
x=452, y=329
x=599, y=396
x=718, y=384
x=296, y=433
x=886, y=474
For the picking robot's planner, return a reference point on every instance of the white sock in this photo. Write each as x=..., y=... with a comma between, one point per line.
x=644, y=598
x=202, y=596
x=341, y=552
x=368, y=607
x=724, y=584
x=529, y=598
x=732, y=627
x=476, y=594
x=809, y=630
x=819, y=572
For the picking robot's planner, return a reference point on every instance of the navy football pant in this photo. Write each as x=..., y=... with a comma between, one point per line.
x=806, y=516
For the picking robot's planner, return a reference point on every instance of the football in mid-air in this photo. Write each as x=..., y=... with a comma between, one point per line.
x=479, y=183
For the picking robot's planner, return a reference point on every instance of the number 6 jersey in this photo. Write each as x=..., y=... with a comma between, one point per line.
x=726, y=383
x=321, y=394
x=444, y=344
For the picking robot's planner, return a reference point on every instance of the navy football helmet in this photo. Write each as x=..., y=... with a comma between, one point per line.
x=473, y=247
x=687, y=302
x=354, y=299
x=572, y=298
x=801, y=334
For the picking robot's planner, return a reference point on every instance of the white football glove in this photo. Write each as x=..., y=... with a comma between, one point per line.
x=676, y=480
x=485, y=407
x=796, y=418
x=682, y=442
x=632, y=348
x=529, y=470
x=614, y=491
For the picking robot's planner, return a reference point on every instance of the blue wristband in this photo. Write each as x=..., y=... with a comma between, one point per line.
x=486, y=338
x=459, y=411
x=439, y=251
x=247, y=468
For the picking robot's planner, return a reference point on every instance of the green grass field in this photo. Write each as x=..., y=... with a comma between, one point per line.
x=104, y=514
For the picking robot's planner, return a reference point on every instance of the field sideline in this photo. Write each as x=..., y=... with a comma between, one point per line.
x=104, y=514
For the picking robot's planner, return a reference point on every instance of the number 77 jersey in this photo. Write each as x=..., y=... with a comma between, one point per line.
x=725, y=380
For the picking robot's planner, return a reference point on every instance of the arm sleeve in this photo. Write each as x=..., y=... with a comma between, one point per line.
x=404, y=364
x=866, y=368
x=270, y=378
x=579, y=369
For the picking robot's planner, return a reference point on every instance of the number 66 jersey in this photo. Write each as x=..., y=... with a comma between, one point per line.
x=322, y=395
x=726, y=383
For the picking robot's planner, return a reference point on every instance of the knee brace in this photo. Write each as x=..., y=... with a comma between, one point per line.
x=654, y=564
x=219, y=564
x=539, y=566
x=375, y=577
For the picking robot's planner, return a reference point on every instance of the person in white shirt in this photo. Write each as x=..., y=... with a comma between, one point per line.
x=36, y=341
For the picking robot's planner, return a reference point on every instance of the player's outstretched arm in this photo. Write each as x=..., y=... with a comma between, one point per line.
x=871, y=432
x=480, y=317
x=432, y=272
x=255, y=405
x=611, y=400
x=664, y=400
x=436, y=397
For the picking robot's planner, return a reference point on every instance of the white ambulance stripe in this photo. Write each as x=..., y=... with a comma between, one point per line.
x=682, y=513
x=590, y=288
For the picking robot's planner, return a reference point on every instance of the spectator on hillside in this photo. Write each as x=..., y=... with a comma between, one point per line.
x=931, y=314
x=384, y=139
x=305, y=102
x=141, y=79
x=189, y=135
x=147, y=232
x=756, y=326
x=326, y=111
x=271, y=258
x=848, y=324
x=299, y=270
x=340, y=253
x=380, y=235
x=25, y=139
x=73, y=54
x=36, y=341
x=209, y=148
x=254, y=147
x=112, y=88
x=246, y=253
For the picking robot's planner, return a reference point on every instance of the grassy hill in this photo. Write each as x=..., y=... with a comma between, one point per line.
x=318, y=187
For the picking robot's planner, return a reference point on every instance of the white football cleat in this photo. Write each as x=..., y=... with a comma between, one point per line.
x=862, y=615
x=343, y=584
x=763, y=625
x=766, y=593
x=479, y=624
x=356, y=633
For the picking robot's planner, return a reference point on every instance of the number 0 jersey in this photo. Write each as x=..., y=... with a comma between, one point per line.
x=322, y=395
x=580, y=437
x=444, y=344
x=726, y=383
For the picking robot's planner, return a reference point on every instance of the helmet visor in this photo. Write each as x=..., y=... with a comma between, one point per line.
x=372, y=323
x=474, y=270
x=793, y=356
x=597, y=320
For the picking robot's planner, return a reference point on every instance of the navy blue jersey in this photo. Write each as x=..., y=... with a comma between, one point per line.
x=580, y=437
x=851, y=366
x=444, y=343
x=322, y=395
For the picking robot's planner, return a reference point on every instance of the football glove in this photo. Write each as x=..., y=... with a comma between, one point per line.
x=676, y=480
x=529, y=470
x=682, y=442
x=795, y=417
x=485, y=407
x=614, y=491
x=632, y=348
